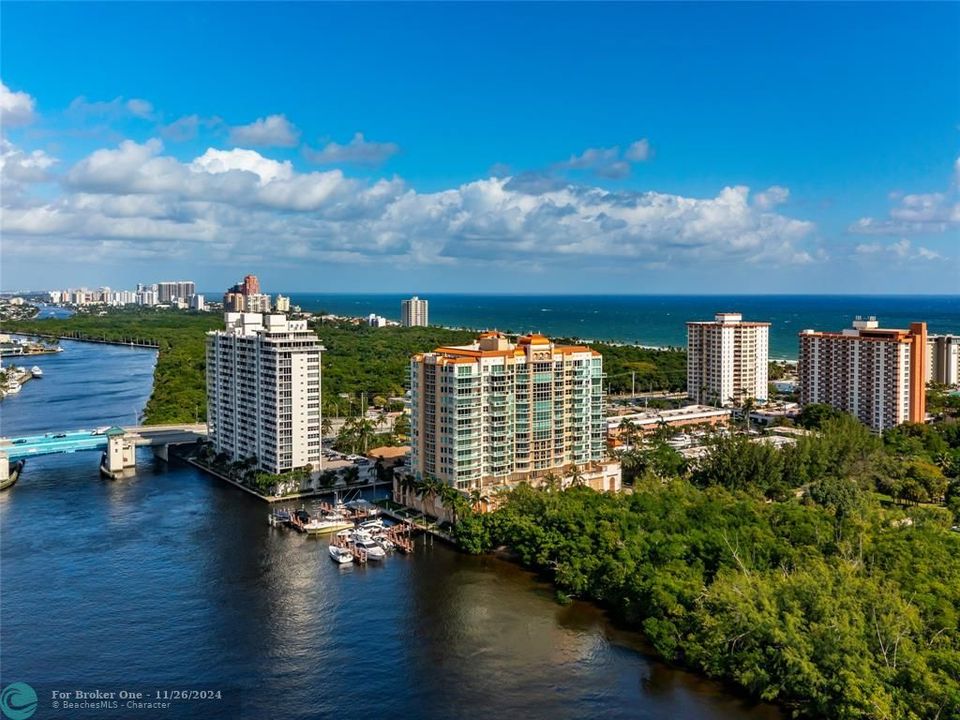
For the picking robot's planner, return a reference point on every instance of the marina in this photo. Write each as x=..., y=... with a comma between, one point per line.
x=14, y=378
x=358, y=533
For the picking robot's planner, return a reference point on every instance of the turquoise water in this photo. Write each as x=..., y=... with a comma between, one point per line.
x=653, y=319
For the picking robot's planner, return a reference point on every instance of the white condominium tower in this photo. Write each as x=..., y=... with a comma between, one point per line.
x=727, y=360
x=494, y=413
x=943, y=359
x=413, y=312
x=876, y=374
x=263, y=391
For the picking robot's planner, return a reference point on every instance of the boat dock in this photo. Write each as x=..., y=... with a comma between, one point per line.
x=16, y=378
x=400, y=536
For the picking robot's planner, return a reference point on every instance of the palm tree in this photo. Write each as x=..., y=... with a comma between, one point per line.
x=435, y=488
x=409, y=484
x=450, y=498
x=551, y=482
x=576, y=476
x=477, y=499
x=326, y=425
x=628, y=432
x=747, y=407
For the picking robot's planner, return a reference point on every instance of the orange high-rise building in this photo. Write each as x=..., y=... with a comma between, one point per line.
x=876, y=374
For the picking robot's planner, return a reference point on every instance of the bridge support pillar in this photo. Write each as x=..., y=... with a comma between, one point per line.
x=120, y=458
x=162, y=452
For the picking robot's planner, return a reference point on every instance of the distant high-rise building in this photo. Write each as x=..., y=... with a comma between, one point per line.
x=727, y=360
x=186, y=289
x=263, y=391
x=198, y=303
x=170, y=291
x=413, y=312
x=876, y=374
x=282, y=304
x=245, y=296
x=943, y=359
x=234, y=302
x=494, y=413
x=258, y=303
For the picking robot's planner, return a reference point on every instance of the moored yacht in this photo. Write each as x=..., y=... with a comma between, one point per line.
x=369, y=546
x=341, y=555
x=36, y=371
x=329, y=523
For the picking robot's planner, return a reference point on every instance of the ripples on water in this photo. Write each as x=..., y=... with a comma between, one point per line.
x=172, y=578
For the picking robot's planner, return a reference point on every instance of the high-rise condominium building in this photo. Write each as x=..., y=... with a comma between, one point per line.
x=876, y=374
x=413, y=312
x=494, y=413
x=282, y=304
x=251, y=286
x=943, y=359
x=263, y=391
x=727, y=360
x=168, y=291
x=258, y=303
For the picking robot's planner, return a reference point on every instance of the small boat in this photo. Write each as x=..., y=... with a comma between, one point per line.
x=341, y=555
x=371, y=526
x=12, y=387
x=36, y=371
x=366, y=543
x=327, y=524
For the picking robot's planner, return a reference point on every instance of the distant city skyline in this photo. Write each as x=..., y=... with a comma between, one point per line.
x=631, y=148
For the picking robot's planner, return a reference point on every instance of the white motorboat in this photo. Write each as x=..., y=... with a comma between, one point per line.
x=371, y=526
x=366, y=543
x=341, y=555
x=12, y=387
x=327, y=524
x=36, y=371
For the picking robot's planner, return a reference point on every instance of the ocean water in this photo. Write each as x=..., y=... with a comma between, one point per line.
x=657, y=320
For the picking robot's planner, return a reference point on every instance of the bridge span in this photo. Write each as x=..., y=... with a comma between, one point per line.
x=119, y=443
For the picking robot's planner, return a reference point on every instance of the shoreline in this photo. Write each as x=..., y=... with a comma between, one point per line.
x=270, y=499
x=586, y=341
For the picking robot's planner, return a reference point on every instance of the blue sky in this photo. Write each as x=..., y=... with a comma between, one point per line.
x=488, y=147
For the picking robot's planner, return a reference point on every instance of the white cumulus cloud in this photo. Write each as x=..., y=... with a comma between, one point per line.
x=270, y=131
x=902, y=249
x=771, y=197
x=917, y=213
x=609, y=162
x=358, y=151
x=16, y=108
x=141, y=200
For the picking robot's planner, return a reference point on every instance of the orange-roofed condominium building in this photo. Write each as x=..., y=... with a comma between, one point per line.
x=495, y=413
x=876, y=374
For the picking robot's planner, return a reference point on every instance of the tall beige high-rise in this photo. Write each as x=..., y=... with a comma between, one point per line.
x=263, y=391
x=495, y=413
x=727, y=360
x=414, y=312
